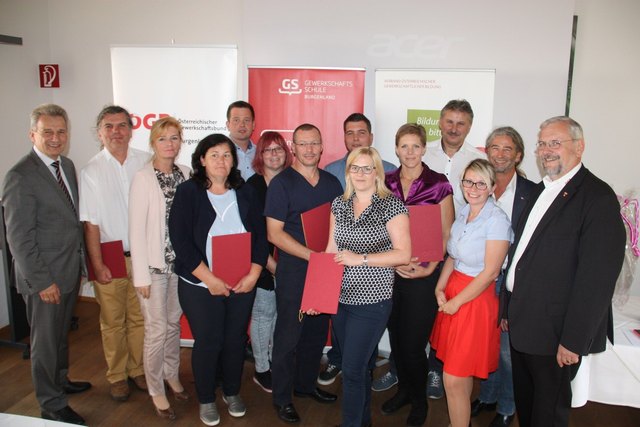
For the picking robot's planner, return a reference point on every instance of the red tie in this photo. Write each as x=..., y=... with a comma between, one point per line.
x=56, y=166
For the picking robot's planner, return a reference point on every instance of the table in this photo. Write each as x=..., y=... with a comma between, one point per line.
x=613, y=376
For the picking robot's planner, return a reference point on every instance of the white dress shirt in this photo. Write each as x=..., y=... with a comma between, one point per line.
x=104, y=193
x=452, y=167
x=546, y=198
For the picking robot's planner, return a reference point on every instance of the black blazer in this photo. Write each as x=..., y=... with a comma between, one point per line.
x=524, y=187
x=191, y=218
x=565, y=278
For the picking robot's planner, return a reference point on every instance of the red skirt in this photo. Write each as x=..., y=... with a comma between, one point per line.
x=468, y=342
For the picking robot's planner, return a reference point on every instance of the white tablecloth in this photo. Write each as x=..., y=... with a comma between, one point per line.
x=23, y=421
x=613, y=377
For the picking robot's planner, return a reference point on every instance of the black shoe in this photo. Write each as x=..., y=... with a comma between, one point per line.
x=318, y=395
x=417, y=415
x=502, y=420
x=396, y=402
x=478, y=406
x=263, y=379
x=65, y=415
x=288, y=413
x=76, y=387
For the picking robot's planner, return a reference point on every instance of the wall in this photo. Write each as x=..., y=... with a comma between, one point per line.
x=526, y=42
x=606, y=91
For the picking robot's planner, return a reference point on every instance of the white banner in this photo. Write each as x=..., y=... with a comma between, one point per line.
x=417, y=96
x=193, y=84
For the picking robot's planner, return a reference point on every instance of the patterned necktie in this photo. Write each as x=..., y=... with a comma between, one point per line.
x=56, y=166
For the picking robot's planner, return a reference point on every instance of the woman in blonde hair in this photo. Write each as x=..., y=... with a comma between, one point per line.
x=369, y=233
x=466, y=336
x=152, y=257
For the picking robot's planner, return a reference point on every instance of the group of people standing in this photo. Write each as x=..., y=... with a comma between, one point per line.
x=555, y=275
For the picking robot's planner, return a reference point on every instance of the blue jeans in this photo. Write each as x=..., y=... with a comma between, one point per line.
x=358, y=330
x=499, y=386
x=263, y=322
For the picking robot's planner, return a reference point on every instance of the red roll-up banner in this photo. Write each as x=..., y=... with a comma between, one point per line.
x=284, y=98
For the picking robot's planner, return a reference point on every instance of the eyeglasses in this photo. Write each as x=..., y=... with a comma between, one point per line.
x=273, y=151
x=554, y=144
x=312, y=144
x=367, y=170
x=480, y=185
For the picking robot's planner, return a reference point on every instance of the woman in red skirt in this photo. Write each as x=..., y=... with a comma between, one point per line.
x=466, y=336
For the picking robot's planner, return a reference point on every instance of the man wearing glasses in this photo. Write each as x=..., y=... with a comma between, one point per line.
x=298, y=344
x=563, y=266
x=241, y=123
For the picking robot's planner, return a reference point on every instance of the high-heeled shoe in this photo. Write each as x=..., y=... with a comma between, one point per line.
x=180, y=396
x=167, y=414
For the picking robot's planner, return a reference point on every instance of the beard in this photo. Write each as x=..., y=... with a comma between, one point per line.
x=552, y=170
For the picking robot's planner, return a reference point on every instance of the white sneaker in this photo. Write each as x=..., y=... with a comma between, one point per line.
x=235, y=405
x=209, y=414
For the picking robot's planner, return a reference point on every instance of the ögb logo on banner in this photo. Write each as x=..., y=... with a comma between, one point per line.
x=147, y=120
x=290, y=87
x=49, y=75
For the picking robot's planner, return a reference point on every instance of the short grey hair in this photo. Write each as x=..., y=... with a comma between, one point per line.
x=52, y=110
x=574, y=127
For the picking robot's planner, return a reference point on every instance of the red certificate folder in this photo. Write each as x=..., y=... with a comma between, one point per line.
x=113, y=258
x=231, y=257
x=322, y=285
x=315, y=225
x=426, y=232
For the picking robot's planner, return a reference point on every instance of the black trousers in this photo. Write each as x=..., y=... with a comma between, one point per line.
x=297, y=343
x=542, y=389
x=412, y=316
x=219, y=326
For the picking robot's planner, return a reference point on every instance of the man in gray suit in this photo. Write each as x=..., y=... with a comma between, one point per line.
x=40, y=199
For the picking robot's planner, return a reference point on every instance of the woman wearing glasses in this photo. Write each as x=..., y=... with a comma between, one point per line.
x=369, y=232
x=414, y=303
x=272, y=156
x=466, y=336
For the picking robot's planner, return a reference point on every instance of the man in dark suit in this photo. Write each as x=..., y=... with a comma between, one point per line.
x=505, y=151
x=40, y=199
x=563, y=267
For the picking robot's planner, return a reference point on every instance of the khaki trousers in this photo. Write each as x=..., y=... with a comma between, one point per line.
x=122, y=327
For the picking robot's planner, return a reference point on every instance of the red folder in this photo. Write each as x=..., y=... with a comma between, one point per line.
x=322, y=285
x=231, y=257
x=113, y=258
x=315, y=225
x=426, y=232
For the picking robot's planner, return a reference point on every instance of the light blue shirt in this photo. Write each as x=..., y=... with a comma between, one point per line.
x=467, y=241
x=338, y=168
